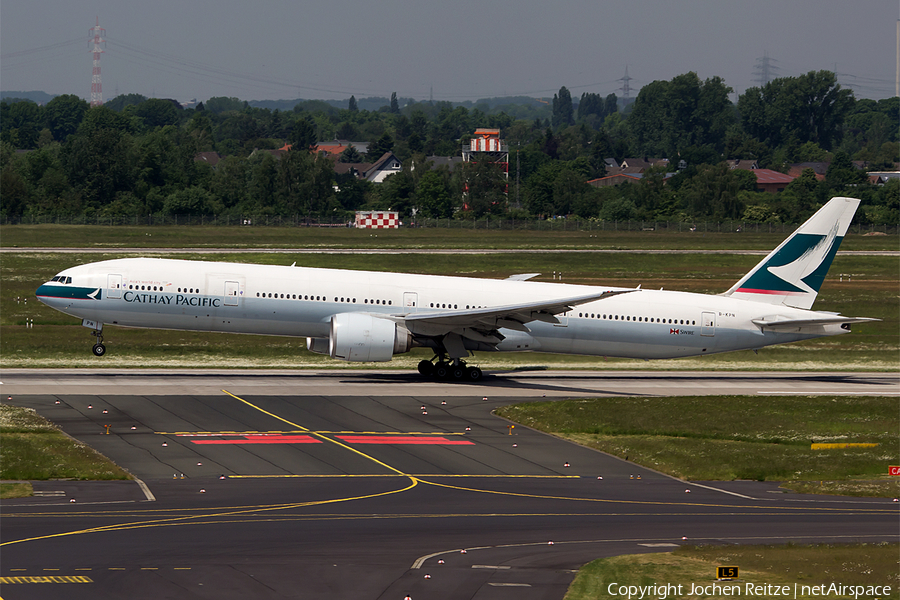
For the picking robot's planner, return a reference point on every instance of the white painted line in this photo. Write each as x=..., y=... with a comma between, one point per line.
x=707, y=487
x=147, y=493
x=833, y=393
x=510, y=584
x=660, y=545
x=421, y=560
x=489, y=567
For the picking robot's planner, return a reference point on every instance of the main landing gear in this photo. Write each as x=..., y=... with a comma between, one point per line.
x=452, y=370
x=99, y=349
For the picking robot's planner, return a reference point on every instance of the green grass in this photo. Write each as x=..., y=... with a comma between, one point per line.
x=94, y=236
x=15, y=490
x=59, y=341
x=764, y=438
x=790, y=564
x=34, y=449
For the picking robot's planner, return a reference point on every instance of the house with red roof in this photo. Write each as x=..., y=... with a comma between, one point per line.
x=768, y=180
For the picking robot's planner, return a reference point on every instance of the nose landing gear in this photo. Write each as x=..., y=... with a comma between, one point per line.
x=99, y=349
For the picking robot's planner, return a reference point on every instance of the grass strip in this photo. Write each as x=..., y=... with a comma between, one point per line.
x=716, y=438
x=772, y=565
x=600, y=236
x=33, y=449
x=15, y=490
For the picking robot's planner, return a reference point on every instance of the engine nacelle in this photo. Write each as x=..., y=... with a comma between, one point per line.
x=359, y=337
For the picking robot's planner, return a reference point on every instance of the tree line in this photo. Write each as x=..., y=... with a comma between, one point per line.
x=135, y=156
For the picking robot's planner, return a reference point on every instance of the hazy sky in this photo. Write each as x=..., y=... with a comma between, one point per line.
x=463, y=49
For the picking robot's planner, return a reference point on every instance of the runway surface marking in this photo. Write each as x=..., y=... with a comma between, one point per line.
x=360, y=438
x=367, y=439
x=419, y=562
x=263, y=438
x=245, y=514
x=416, y=475
x=322, y=437
x=304, y=431
x=48, y=579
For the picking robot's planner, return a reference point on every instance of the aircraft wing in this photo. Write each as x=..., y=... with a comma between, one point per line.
x=776, y=324
x=513, y=316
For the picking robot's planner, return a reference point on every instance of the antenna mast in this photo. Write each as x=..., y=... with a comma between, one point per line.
x=96, y=32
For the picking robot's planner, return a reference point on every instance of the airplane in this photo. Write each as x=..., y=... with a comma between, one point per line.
x=366, y=316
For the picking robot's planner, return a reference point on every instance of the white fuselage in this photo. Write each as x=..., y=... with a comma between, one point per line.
x=298, y=301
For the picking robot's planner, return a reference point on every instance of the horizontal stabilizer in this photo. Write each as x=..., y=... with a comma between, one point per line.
x=786, y=324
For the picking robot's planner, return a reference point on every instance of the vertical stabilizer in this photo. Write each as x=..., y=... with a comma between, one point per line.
x=793, y=273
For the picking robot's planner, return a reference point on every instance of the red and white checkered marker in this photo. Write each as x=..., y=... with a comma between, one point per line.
x=378, y=220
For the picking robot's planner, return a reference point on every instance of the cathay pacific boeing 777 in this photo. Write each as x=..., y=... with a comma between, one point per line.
x=371, y=316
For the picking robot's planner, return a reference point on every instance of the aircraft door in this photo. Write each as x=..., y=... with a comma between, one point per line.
x=232, y=293
x=708, y=324
x=114, y=286
x=410, y=300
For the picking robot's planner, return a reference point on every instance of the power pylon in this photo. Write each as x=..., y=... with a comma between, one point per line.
x=96, y=32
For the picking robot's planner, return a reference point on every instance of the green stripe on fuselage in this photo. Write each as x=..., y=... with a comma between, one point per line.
x=68, y=291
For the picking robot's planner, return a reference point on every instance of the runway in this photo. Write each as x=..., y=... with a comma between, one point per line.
x=517, y=384
x=358, y=484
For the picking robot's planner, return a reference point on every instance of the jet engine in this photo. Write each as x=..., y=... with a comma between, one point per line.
x=318, y=345
x=358, y=337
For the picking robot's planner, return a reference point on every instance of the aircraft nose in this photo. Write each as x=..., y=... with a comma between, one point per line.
x=43, y=293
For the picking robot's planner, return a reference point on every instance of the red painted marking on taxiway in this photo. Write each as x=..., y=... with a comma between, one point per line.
x=397, y=439
x=264, y=439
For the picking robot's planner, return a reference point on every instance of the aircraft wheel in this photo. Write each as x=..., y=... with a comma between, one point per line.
x=99, y=349
x=426, y=368
x=458, y=373
x=473, y=374
x=441, y=370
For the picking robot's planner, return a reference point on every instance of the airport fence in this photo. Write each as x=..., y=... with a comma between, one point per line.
x=556, y=224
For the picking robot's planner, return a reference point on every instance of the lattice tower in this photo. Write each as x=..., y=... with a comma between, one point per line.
x=96, y=32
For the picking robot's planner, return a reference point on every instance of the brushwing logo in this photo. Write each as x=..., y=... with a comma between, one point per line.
x=93, y=295
x=797, y=269
x=796, y=272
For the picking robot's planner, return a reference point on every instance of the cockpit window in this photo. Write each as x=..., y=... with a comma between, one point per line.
x=62, y=279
